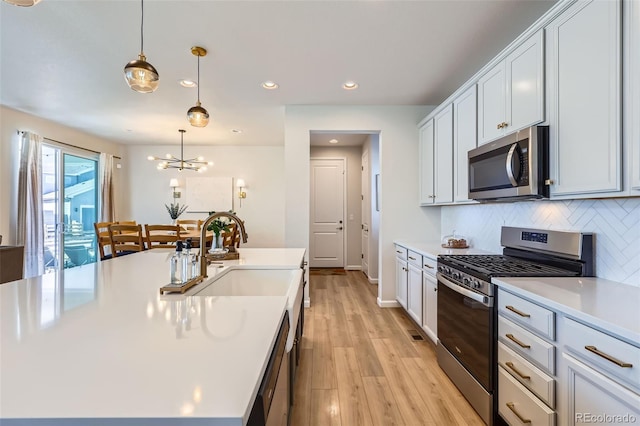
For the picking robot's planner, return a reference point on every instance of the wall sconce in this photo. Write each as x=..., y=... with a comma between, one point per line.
x=241, y=193
x=173, y=183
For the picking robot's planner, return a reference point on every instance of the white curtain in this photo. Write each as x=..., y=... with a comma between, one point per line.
x=30, y=232
x=107, y=208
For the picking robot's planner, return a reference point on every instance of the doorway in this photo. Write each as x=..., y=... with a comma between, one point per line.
x=70, y=201
x=327, y=206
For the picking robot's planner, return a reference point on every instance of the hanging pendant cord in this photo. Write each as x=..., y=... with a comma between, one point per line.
x=198, y=78
x=181, y=150
x=142, y=27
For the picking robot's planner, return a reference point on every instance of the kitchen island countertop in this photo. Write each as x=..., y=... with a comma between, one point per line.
x=98, y=344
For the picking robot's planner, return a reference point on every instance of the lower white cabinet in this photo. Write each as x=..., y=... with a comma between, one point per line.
x=414, y=297
x=401, y=281
x=430, y=305
x=596, y=399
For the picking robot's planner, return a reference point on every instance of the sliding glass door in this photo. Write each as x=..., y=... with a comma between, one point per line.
x=70, y=204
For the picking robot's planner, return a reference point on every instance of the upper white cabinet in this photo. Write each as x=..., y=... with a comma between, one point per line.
x=584, y=84
x=426, y=164
x=511, y=94
x=464, y=140
x=436, y=159
x=633, y=122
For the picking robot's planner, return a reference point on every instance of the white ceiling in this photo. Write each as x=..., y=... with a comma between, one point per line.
x=63, y=60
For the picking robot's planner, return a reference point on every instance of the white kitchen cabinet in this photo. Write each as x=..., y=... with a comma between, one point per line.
x=430, y=308
x=427, y=196
x=436, y=159
x=401, y=276
x=511, y=94
x=414, y=286
x=632, y=122
x=464, y=140
x=584, y=92
x=596, y=399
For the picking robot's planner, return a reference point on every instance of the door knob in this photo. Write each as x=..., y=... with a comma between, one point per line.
x=339, y=228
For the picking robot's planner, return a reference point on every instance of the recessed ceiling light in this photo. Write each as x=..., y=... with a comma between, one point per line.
x=270, y=85
x=349, y=85
x=188, y=83
x=333, y=141
x=236, y=130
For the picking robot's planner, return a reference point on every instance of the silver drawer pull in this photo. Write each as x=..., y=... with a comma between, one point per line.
x=428, y=266
x=412, y=258
x=515, y=370
x=517, y=311
x=608, y=357
x=517, y=342
x=511, y=407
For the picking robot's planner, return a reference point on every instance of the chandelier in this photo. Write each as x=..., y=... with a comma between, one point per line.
x=197, y=164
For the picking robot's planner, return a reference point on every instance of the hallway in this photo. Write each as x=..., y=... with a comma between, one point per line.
x=360, y=365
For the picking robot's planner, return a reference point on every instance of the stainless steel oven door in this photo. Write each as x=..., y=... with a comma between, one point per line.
x=465, y=328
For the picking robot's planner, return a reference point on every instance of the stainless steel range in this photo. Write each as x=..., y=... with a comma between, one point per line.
x=467, y=314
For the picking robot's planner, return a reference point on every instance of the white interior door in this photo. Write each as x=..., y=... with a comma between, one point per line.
x=326, y=245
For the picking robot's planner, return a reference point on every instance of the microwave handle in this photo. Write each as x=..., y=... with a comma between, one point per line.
x=509, y=164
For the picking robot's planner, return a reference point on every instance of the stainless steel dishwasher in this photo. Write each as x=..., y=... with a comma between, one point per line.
x=271, y=406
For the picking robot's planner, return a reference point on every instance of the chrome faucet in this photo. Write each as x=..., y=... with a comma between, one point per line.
x=203, y=236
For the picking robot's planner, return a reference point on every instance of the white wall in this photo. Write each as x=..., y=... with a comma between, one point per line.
x=615, y=223
x=353, y=155
x=10, y=122
x=262, y=168
x=400, y=215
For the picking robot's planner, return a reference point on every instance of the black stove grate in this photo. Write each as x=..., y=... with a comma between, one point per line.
x=499, y=265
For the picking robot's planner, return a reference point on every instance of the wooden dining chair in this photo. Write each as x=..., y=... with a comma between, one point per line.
x=125, y=239
x=162, y=236
x=192, y=224
x=126, y=222
x=102, y=238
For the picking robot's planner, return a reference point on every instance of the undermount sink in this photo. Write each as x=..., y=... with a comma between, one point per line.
x=261, y=282
x=251, y=282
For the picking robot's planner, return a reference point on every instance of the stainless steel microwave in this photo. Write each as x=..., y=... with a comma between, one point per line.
x=512, y=168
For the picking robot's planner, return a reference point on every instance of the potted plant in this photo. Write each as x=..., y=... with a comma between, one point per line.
x=219, y=225
x=175, y=210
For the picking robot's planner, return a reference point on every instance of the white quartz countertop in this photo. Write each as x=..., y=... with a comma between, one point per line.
x=608, y=305
x=434, y=248
x=98, y=344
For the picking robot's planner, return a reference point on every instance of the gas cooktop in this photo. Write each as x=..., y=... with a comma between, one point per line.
x=503, y=266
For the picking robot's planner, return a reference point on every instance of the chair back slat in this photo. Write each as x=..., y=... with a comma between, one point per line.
x=102, y=236
x=162, y=236
x=125, y=239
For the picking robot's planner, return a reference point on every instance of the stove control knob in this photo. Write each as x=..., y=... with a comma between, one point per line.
x=466, y=281
x=477, y=285
x=441, y=268
x=456, y=275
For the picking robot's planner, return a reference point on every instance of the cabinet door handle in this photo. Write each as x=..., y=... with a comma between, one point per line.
x=511, y=407
x=608, y=357
x=435, y=289
x=549, y=182
x=398, y=251
x=412, y=258
x=428, y=266
x=504, y=125
x=519, y=312
x=515, y=370
x=499, y=126
x=517, y=342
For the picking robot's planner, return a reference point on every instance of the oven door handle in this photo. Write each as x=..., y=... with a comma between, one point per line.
x=485, y=300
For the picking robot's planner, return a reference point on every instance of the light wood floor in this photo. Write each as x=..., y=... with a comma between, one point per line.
x=360, y=366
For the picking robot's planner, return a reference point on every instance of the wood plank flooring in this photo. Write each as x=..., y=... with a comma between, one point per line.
x=360, y=366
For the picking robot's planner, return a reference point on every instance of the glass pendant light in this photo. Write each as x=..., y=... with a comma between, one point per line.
x=140, y=75
x=197, y=115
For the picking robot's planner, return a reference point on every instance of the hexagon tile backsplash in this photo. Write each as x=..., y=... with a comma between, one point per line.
x=615, y=223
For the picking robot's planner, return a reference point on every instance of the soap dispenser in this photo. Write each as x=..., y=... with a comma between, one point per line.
x=186, y=261
x=176, y=265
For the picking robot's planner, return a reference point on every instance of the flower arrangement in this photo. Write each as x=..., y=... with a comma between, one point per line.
x=220, y=224
x=175, y=210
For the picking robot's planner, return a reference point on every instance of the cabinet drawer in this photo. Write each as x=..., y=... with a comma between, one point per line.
x=525, y=343
x=605, y=353
x=528, y=374
x=534, y=317
x=519, y=406
x=401, y=252
x=415, y=258
x=429, y=265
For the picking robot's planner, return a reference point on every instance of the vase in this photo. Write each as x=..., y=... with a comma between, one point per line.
x=217, y=247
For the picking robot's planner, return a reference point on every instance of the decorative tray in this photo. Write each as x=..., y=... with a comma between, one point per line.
x=232, y=255
x=182, y=287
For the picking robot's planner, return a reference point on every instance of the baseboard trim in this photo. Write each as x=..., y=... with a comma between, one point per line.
x=353, y=268
x=388, y=303
x=372, y=280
